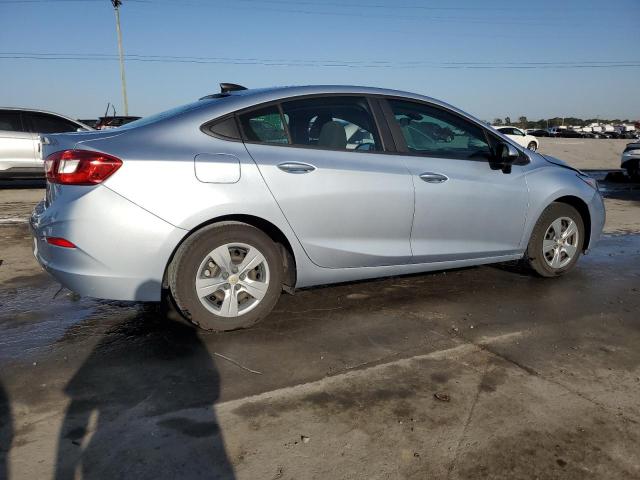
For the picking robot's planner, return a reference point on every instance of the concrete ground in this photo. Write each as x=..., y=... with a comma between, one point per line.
x=475, y=373
x=586, y=153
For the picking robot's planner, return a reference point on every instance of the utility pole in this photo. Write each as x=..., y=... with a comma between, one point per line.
x=116, y=6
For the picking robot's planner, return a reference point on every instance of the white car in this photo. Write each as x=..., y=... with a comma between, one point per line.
x=517, y=135
x=20, y=131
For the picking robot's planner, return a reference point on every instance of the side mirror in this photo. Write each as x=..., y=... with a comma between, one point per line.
x=505, y=155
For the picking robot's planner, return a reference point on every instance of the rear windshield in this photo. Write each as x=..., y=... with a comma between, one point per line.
x=165, y=115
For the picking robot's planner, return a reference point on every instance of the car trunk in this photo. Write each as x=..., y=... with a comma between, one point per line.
x=55, y=142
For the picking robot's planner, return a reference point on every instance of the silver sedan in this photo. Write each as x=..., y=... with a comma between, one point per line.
x=227, y=201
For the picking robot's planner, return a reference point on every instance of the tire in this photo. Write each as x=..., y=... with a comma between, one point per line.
x=532, y=146
x=633, y=170
x=540, y=257
x=224, y=279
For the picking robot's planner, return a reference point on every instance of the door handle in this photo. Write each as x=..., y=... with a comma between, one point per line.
x=296, y=167
x=431, y=177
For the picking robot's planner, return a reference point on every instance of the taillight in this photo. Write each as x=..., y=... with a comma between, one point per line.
x=80, y=167
x=60, y=242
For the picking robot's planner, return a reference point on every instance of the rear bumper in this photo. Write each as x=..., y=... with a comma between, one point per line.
x=122, y=250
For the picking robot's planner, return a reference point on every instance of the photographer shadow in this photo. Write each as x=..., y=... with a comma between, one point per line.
x=142, y=406
x=6, y=432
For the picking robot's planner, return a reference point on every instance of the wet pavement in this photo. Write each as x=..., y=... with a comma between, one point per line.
x=90, y=381
x=482, y=372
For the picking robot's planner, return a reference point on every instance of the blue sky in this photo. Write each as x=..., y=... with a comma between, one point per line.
x=429, y=47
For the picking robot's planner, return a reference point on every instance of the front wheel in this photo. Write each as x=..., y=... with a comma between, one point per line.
x=226, y=276
x=532, y=146
x=557, y=241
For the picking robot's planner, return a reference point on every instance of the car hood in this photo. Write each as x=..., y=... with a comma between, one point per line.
x=560, y=163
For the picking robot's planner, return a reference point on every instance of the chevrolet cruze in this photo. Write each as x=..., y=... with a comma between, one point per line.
x=227, y=201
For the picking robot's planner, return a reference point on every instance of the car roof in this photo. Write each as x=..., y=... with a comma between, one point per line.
x=298, y=90
x=255, y=96
x=219, y=104
x=35, y=110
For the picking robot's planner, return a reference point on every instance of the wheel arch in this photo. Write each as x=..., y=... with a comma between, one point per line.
x=583, y=209
x=275, y=233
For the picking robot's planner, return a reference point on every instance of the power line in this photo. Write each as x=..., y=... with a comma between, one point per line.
x=395, y=6
x=320, y=63
x=277, y=6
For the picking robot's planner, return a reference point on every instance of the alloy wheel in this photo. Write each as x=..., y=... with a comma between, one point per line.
x=560, y=242
x=232, y=279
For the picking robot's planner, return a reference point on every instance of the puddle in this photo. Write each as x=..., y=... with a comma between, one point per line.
x=32, y=321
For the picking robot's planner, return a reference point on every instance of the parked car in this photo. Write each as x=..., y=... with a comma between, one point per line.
x=539, y=133
x=227, y=201
x=19, y=139
x=105, y=123
x=569, y=134
x=92, y=122
x=630, y=134
x=519, y=136
x=630, y=160
x=555, y=131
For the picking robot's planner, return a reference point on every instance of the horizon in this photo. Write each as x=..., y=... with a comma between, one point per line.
x=493, y=61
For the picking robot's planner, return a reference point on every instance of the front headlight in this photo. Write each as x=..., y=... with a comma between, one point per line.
x=592, y=182
x=632, y=152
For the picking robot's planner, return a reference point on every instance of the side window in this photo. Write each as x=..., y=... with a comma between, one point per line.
x=45, y=123
x=10, y=121
x=435, y=132
x=507, y=131
x=226, y=128
x=340, y=123
x=264, y=126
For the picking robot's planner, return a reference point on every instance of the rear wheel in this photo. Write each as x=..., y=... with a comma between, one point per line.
x=557, y=241
x=226, y=276
x=532, y=146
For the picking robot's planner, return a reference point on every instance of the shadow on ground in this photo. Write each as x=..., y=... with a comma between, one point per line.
x=6, y=432
x=144, y=408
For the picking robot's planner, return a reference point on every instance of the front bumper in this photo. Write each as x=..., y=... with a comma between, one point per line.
x=629, y=161
x=122, y=250
x=598, y=216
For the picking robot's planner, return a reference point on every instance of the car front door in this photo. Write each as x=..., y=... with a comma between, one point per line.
x=349, y=203
x=465, y=207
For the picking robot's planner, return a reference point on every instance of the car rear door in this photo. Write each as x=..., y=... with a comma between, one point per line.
x=17, y=144
x=349, y=203
x=464, y=208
